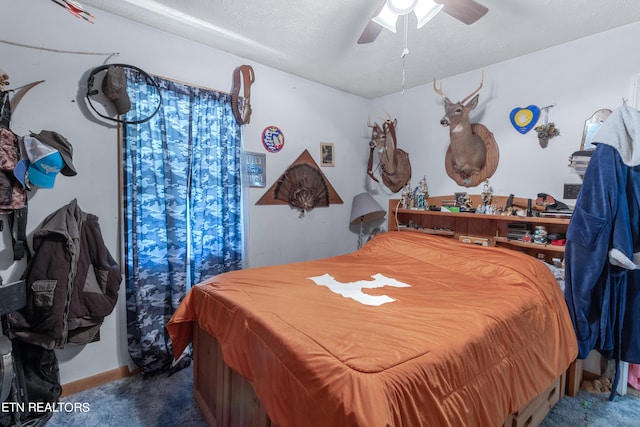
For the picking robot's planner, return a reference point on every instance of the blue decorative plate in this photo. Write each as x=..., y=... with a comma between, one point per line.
x=524, y=119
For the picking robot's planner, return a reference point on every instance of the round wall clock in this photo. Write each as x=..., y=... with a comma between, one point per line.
x=272, y=139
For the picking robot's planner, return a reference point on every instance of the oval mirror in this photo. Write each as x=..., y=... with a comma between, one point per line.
x=591, y=126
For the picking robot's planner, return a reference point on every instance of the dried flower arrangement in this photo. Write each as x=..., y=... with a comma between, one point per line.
x=546, y=132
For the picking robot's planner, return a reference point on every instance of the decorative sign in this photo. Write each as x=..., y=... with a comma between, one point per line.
x=254, y=169
x=272, y=139
x=524, y=119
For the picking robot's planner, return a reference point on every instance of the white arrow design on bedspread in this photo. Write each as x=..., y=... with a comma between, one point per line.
x=353, y=290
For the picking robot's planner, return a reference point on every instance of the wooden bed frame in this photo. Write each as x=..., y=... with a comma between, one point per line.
x=226, y=399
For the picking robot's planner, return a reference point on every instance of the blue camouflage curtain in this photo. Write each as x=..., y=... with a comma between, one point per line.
x=182, y=202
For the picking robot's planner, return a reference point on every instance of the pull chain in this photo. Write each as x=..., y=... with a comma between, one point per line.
x=404, y=76
x=405, y=51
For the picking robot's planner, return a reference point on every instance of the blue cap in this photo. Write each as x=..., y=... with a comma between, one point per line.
x=43, y=172
x=46, y=162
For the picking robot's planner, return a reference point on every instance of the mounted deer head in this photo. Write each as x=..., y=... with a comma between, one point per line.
x=395, y=167
x=468, y=149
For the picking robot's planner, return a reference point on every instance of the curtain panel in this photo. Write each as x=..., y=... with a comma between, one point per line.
x=182, y=203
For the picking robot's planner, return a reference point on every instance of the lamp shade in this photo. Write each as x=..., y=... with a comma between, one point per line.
x=425, y=10
x=365, y=209
x=386, y=18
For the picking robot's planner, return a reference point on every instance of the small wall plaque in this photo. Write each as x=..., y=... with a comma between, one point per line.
x=254, y=169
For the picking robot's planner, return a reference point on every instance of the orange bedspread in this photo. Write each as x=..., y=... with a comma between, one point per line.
x=470, y=335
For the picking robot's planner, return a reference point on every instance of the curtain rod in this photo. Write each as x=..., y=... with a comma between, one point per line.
x=191, y=84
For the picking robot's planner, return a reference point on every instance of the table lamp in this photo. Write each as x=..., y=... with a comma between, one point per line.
x=365, y=209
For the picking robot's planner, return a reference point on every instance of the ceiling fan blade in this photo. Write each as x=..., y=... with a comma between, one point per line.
x=467, y=11
x=372, y=30
x=370, y=33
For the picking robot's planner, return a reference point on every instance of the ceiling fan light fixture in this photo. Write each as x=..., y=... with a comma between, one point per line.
x=386, y=18
x=402, y=7
x=388, y=11
x=425, y=10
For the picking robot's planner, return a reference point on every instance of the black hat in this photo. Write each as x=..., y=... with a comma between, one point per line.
x=60, y=143
x=114, y=87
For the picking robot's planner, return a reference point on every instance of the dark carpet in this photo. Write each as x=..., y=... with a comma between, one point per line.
x=595, y=410
x=159, y=400
x=168, y=401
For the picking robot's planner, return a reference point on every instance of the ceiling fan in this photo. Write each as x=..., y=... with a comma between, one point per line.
x=386, y=15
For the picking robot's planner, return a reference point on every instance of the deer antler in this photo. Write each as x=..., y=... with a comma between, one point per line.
x=438, y=90
x=20, y=92
x=475, y=91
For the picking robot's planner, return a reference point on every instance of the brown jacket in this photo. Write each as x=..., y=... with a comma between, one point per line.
x=72, y=281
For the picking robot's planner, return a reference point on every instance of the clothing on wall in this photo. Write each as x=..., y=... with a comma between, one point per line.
x=36, y=380
x=13, y=197
x=602, y=255
x=72, y=281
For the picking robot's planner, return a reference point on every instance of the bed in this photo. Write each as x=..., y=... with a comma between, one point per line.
x=410, y=330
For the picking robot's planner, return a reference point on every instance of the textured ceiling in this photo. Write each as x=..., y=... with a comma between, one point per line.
x=316, y=39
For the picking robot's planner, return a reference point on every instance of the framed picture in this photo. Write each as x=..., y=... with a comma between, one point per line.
x=254, y=169
x=327, y=154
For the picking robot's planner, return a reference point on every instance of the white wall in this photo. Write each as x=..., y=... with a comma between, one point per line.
x=307, y=113
x=578, y=77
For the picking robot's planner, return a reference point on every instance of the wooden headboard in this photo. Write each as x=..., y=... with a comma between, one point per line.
x=493, y=228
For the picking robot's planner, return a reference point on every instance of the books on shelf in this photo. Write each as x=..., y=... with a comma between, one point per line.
x=516, y=230
x=579, y=161
x=557, y=214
